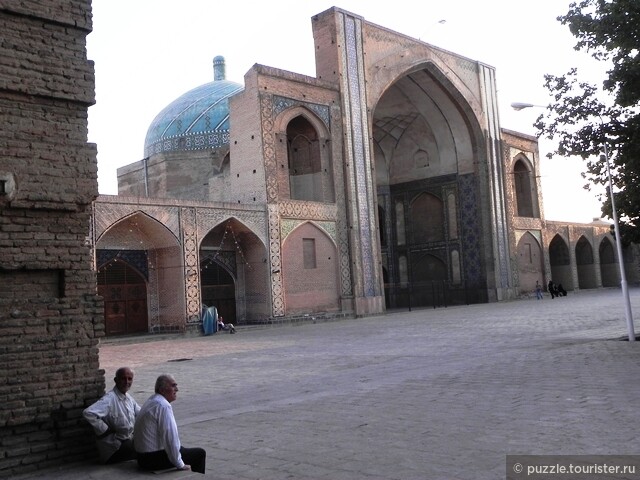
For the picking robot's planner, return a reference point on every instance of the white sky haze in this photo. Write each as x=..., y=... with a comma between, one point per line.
x=147, y=53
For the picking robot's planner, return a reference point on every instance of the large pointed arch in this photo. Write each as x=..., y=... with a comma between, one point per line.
x=425, y=145
x=234, y=273
x=136, y=231
x=420, y=132
x=147, y=247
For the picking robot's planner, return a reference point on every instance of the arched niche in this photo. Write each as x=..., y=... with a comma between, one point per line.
x=310, y=271
x=560, y=262
x=234, y=273
x=530, y=263
x=303, y=155
x=153, y=250
x=524, y=187
x=585, y=264
x=609, y=269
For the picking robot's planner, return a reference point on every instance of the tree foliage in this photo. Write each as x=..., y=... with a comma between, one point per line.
x=589, y=120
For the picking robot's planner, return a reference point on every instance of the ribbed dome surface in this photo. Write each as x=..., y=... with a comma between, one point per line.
x=197, y=120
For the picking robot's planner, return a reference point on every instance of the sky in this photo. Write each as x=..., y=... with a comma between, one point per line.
x=147, y=53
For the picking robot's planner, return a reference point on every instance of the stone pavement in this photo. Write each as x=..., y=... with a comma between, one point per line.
x=426, y=394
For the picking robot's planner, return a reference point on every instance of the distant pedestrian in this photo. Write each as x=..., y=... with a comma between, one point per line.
x=561, y=291
x=552, y=289
x=538, y=290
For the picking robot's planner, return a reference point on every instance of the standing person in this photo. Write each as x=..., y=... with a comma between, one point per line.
x=113, y=418
x=538, y=290
x=552, y=289
x=156, y=434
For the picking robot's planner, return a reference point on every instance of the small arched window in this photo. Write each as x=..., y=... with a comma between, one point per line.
x=524, y=188
x=305, y=161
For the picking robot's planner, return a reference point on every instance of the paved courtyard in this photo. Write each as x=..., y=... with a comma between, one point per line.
x=427, y=394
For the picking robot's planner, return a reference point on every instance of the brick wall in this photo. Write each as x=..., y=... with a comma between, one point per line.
x=50, y=316
x=310, y=287
x=186, y=175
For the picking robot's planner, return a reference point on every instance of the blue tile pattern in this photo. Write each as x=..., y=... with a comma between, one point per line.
x=471, y=232
x=197, y=120
x=222, y=257
x=280, y=104
x=135, y=258
x=359, y=157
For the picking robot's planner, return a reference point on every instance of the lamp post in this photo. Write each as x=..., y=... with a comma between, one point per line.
x=616, y=227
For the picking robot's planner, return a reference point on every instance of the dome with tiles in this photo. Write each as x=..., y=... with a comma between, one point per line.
x=197, y=120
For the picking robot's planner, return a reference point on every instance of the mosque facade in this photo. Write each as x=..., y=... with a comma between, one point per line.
x=384, y=182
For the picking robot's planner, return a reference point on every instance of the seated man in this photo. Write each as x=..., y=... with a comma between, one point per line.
x=113, y=417
x=225, y=326
x=561, y=291
x=156, y=433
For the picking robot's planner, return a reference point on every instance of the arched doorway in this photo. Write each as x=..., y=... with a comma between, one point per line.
x=426, y=214
x=530, y=264
x=609, y=271
x=560, y=262
x=426, y=159
x=429, y=286
x=124, y=290
x=218, y=287
x=585, y=265
x=233, y=272
x=153, y=252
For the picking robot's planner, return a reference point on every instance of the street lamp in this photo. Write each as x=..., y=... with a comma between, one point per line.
x=520, y=106
x=616, y=227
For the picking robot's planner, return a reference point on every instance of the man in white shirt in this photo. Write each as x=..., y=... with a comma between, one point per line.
x=112, y=418
x=156, y=436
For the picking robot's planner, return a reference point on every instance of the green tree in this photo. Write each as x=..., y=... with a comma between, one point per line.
x=583, y=117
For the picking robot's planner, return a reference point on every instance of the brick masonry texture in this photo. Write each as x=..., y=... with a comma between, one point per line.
x=50, y=316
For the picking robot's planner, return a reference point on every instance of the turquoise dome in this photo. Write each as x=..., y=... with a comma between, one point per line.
x=197, y=120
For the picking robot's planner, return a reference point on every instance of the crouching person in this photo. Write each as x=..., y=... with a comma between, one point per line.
x=156, y=434
x=113, y=418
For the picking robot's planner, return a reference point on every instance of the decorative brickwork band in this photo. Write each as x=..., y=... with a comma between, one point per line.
x=191, y=264
x=275, y=260
x=268, y=142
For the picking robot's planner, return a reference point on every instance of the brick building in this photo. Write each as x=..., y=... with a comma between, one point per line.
x=50, y=315
x=384, y=182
